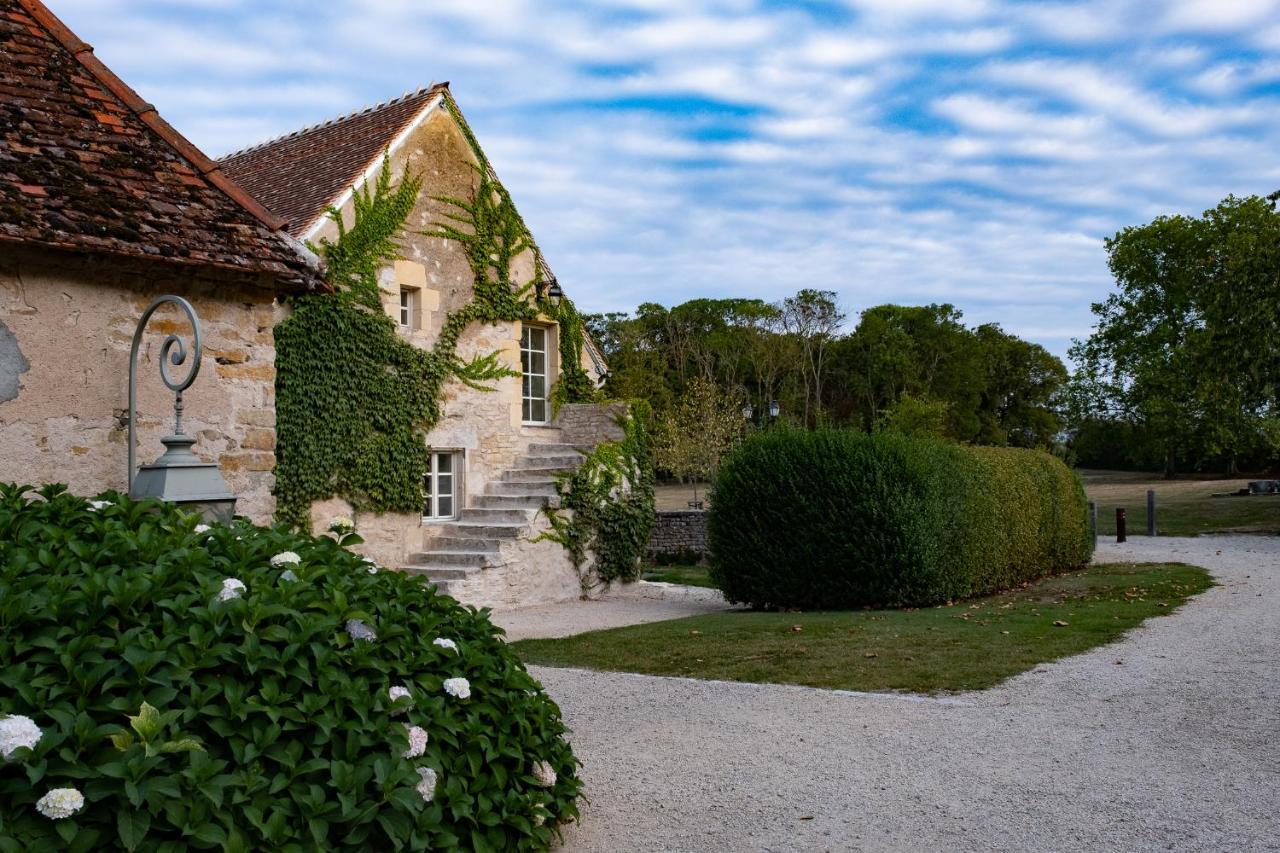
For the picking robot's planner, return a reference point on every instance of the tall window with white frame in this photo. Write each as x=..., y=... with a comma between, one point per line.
x=440, y=493
x=533, y=366
x=408, y=308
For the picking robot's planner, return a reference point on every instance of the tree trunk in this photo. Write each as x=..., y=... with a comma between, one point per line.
x=1169, y=471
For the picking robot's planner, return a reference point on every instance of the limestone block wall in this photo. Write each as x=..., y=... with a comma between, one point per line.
x=678, y=533
x=588, y=424
x=66, y=323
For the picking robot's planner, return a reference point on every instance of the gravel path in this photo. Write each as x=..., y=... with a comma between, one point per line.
x=1166, y=740
x=633, y=604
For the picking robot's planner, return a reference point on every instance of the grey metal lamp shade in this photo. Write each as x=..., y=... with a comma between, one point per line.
x=178, y=476
x=181, y=477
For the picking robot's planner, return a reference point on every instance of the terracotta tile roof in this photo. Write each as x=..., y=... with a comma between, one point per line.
x=300, y=175
x=87, y=165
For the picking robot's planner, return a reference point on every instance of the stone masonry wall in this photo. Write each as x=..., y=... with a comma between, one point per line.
x=69, y=320
x=588, y=424
x=484, y=426
x=678, y=532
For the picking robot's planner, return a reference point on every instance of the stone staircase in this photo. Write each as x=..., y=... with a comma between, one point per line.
x=508, y=510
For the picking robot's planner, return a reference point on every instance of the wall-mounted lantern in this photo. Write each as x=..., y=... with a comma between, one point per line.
x=554, y=293
x=747, y=412
x=178, y=476
x=773, y=408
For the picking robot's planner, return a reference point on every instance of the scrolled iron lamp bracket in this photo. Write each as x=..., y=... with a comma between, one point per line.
x=178, y=475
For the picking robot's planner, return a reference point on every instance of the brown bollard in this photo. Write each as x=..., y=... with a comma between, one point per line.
x=1119, y=524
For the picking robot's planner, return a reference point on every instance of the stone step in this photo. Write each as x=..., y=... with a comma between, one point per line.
x=548, y=449
x=450, y=558
x=474, y=530
x=454, y=543
x=487, y=515
x=559, y=462
x=532, y=475
x=511, y=501
x=522, y=488
x=436, y=572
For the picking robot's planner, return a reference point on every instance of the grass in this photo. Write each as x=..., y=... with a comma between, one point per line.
x=681, y=574
x=966, y=646
x=1184, y=507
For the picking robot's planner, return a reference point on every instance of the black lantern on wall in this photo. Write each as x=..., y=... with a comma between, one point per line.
x=178, y=476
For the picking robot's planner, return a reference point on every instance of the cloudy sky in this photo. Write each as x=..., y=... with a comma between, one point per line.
x=966, y=151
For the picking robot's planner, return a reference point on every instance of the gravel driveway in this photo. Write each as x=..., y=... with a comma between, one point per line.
x=1166, y=740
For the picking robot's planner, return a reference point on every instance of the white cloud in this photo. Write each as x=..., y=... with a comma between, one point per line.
x=972, y=151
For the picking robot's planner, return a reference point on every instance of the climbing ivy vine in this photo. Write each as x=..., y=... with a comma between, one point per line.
x=607, y=504
x=354, y=401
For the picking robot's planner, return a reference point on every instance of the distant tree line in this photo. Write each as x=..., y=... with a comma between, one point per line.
x=912, y=369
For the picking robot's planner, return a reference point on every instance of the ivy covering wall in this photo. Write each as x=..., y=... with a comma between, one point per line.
x=354, y=401
x=607, y=504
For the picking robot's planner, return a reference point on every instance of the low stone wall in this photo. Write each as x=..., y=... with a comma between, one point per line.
x=680, y=533
x=589, y=424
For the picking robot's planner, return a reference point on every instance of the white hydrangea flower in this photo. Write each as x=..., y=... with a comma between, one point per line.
x=17, y=731
x=342, y=525
x=284, y=558
x=427, y=787
x=202, y=528
x=231, y=588
x=417, y=741
x=445, y=644
x=60, y=803
x=397, y=693
x=97, y=505
x=457, y=687
x=360, y=631
x=544, y=773
x=288, y=575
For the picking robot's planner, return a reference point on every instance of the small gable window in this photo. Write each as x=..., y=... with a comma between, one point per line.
x=408, y=308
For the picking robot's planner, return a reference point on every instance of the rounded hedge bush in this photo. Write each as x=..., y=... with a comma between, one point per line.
x=167, y=686
x=838, y=519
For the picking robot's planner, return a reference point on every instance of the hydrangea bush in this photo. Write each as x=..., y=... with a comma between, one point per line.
x=239, y=688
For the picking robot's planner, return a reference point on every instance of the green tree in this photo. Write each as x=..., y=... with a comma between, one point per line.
x=1188, y=346
x=698, y=431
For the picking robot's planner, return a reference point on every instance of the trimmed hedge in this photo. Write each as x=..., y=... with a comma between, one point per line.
x=198, y=694
x=837, y=519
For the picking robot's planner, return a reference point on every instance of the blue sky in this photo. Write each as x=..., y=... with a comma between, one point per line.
x=967, y=151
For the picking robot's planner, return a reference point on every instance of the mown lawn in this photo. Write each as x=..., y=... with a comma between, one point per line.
x=679, y=573
x=966, y=646
x=1184, y=507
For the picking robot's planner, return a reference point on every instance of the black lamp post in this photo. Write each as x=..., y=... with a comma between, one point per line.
x=178, y=476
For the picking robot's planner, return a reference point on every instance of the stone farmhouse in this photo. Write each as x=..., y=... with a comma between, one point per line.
x=104, y=206
x=494, y=454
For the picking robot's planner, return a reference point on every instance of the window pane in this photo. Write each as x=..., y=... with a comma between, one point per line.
x=445, y=507
x=539, y=410
x=538, y=387
x=524, y=385
x=538, y=363
x=524, y=338
x=538, y=339
x=528, y=412
x=444, y=485
x=444, y=462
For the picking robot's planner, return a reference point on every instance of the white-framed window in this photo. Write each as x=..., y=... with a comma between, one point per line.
x=533, y=368
x=408, y=308
x=440, y=486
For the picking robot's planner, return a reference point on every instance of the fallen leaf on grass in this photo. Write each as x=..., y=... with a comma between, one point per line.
x=1058, y=623
x=797, y=628
x=695, y=633
x=870, y=655
x=1004, y=632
